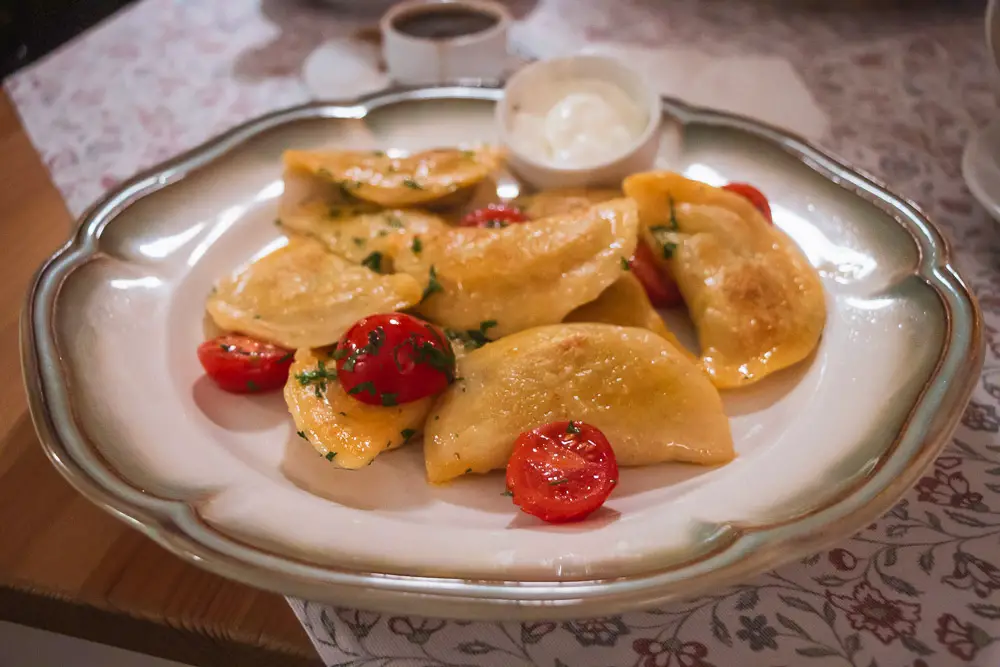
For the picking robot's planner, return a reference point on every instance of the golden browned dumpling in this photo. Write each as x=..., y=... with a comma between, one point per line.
x=417, y=179
x=625, y=303
x=349, y=433
x=524, y=275
x=374, y=238
x=651, y=401
x=757, y=303
x=302, y=295
x=560, y=202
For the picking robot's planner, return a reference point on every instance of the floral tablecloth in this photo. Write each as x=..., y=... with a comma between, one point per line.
x=899, y=91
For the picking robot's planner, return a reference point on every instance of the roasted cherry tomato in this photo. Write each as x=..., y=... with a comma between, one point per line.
x=394, y=358
x=244, y=365
x=562, y=471
x=755, y=196
x=660, y=288
x=494, y=216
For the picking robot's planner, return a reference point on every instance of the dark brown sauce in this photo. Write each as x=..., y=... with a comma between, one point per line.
x=444, y=22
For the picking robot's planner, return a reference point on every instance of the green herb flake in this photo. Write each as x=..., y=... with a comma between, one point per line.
x=626, y=266
x=394, y=222
x=557, y=482
x=508, y=493
x=277, y=222
x=473, y=338
x=286, y=357
x=417, y=245
x=408, y=433
x=668, y=250
x=469, y=154
x=342, y=414
x=302, y=435
x=412, y=184
x=572, y=428
x=493, y=223
x=432, y=284
x=673, y=216
x=324, y=172
x=317, y=378
x=373, y=261
x=358, y=241
x=331, y=456
x=378, y=153
x=389, y=400
x=256, y=317
x=252, y=386
x=468, y=470
x=364, y=386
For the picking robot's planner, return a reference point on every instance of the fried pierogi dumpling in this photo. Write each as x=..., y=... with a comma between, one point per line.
x=356, y=236
x=560, y=202
x=524, y=275
x=349, y=433
x=651, y=401
x=302, y=295
x=757, y=303
x=420, y=178
x=625, y=303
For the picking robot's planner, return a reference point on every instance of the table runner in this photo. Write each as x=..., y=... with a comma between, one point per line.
x=896, y=92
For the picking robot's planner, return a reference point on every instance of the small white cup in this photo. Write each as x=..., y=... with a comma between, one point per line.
x=415, y=60
x=528, y=83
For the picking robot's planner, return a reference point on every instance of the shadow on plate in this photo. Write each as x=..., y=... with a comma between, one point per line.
x=232, y=411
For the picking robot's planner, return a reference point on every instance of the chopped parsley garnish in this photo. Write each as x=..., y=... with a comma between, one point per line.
x=347, y=186
x=394, y=222
x=331, y=455
x=473, y=338
x=373, y=261
x=376, y=338
x=625, y=265
x=572, y=428
x=417, y=245
x=673, y=216
x=364, y=386
x=342, y=414
x=664, y=237
x=557, y=482
x=408, y=433
x=468, y=470
x=358, y=241
x=494, y=223
x=378, y=153
x=432, y=284
x=412, y=184
x=256, y=317
x=389, y=400
x=425, y=352
x=508, y=493
x=302, y=435
x=286, y=357
x=277, y=222
x=317, y=378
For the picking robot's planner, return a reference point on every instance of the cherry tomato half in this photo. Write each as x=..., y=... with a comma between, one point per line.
x=244, y=365
x=394, y=358
x=755, y=196
x=494, y=216
x=660, y=288
x=562, y=471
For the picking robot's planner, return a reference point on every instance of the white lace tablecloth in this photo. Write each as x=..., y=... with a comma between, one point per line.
x=895, y=92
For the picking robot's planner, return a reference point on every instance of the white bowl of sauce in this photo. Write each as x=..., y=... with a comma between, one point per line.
x=579, y=121
x=436, y=41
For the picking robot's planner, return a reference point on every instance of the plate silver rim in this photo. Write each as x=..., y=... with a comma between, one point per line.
x=743, y=550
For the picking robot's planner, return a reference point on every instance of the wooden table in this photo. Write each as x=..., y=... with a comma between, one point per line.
x=65, y=565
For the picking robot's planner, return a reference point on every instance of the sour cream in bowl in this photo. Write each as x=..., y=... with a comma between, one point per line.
x=580, y=121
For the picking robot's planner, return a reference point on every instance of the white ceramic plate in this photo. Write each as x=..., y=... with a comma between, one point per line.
x=114, y=318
